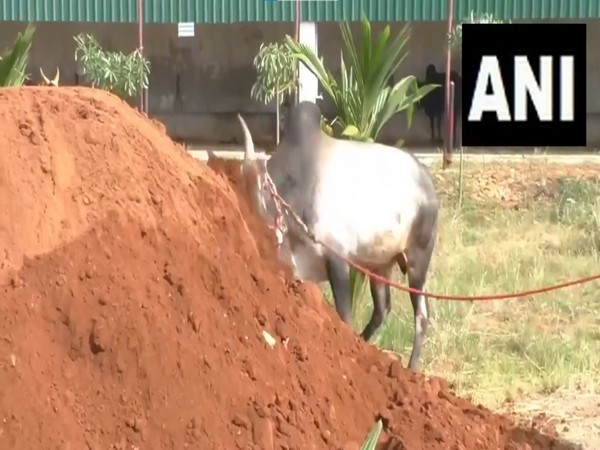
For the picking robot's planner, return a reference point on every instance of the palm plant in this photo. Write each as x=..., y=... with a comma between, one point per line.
x=14, y=61
x=364, y=98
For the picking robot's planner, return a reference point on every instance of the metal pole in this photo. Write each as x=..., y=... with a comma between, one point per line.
x=450, y=132
x=141, y=45
x=297, y=20
x=449, y=109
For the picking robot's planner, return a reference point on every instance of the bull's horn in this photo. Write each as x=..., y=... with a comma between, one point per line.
x=46, y=80
x=248, y=142
x=56, y=77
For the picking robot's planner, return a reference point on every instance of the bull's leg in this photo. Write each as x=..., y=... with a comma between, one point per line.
x=418, y=264
x=432, y=128
x=339, y=280
x=382, y=304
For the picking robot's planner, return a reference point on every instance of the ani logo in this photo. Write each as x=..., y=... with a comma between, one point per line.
x=524, y=85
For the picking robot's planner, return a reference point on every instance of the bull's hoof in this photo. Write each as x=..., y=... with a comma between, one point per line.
x=365, y=337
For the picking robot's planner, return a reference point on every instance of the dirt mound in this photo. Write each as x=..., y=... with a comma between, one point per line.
x=135, y=302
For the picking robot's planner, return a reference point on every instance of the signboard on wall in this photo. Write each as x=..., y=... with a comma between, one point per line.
x=186, y=29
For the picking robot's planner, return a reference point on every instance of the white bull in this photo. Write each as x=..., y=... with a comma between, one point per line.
x=374, y=204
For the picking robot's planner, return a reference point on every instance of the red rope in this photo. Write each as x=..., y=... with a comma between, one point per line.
x=462, y=298
x=365, y=271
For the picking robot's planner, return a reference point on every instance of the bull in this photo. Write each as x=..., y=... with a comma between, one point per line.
x=374, y=204
x=434, y=103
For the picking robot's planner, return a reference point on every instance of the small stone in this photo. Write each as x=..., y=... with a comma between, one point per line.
x=261, y=410
x=139, y=425
x=261, y=315
x=281, y=329
x=194, y=321
x=16, y=282
x=250, y=370
x=262, y=434
x=98, y=338
x=240, y=421
x=396, y=370
x=122, y=444
x=69, y=398
x=301, y=352
x=283, y=427
x=386, y=418
x=350, y=446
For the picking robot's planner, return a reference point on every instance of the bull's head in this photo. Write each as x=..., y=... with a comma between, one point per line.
x=295, y=152
x=256, y=178
x=259, y=187
x=53, y=82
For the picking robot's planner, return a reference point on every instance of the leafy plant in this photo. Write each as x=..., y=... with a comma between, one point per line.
x=14, y=61
x=370, y=442
x=455, y=37
x=364, y=98
x=121, y=74
x=277, y=75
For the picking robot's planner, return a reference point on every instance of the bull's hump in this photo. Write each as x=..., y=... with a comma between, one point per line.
x=363, y=159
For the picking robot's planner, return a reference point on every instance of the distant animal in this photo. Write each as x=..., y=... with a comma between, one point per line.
x=47, y=82
x=434, y=103
x=374, y=204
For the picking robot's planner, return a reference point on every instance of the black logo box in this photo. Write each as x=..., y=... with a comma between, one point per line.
x=532, y=40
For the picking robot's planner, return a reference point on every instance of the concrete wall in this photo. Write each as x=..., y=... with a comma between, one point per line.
x=198, y=84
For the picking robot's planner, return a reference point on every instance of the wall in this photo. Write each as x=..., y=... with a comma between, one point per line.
x=198, y=84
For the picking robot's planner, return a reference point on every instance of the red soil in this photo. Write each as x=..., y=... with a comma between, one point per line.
x=134, y=299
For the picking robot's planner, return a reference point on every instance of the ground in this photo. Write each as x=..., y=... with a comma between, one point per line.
x=139, y=290
x=516, y=226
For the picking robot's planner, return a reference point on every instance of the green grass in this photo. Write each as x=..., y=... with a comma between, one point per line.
x=510, y=349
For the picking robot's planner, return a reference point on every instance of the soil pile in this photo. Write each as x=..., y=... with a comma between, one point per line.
x=135, y=296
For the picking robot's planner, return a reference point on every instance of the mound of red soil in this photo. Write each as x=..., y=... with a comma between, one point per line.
x=135, y=296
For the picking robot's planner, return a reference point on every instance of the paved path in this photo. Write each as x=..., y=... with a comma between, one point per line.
x=430, y=157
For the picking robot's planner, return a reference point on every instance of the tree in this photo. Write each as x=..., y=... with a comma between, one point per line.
x=455, y=37
x=277, y=76
x=364, y=99
x=121, y=74
x=14, y=61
